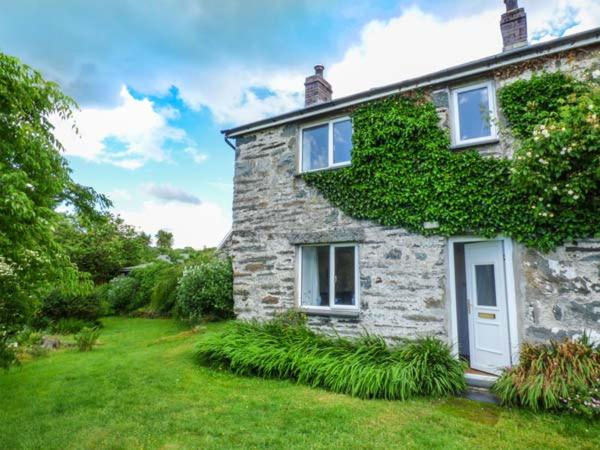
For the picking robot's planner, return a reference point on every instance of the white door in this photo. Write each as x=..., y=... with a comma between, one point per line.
x=486, y=299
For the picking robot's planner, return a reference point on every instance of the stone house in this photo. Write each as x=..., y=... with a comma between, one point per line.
x=292, y=249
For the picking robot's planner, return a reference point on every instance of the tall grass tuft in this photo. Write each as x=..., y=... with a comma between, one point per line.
x=365, y=368
x=554, y=376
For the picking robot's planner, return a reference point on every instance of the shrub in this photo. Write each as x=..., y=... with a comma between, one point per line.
x=555, y=376
x=163, y=293
x=365, y=368
x=70, y=326
x=206, y=290
x=121, y=293
x=58, y=305
x=87, y=338
x=147, y=278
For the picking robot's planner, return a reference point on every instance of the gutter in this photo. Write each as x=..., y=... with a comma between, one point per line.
x=578, y=40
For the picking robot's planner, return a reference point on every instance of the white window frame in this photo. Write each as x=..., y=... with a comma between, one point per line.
x=457, y=141
x=332, y=306
x=330, y=163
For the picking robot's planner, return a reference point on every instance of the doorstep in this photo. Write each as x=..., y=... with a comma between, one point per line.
x=480, y=379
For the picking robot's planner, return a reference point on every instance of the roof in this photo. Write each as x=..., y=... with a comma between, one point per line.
x=578, y=40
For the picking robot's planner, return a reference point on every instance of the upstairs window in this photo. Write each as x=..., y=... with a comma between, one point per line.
x=474, y=114
x=329, y=276
x=326, y=145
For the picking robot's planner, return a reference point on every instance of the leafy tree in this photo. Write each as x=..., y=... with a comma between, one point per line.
x=103, y=246
x=34, y=180
x=164, y=239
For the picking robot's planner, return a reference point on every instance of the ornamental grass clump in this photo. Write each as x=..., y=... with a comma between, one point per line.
x=364, y=368
x=558, y=376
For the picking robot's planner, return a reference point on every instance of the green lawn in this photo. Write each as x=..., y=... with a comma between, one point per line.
x=142, y=389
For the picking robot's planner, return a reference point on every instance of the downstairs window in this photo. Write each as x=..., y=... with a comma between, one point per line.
x=329, y=276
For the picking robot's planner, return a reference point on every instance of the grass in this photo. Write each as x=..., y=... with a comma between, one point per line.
x=141, y=388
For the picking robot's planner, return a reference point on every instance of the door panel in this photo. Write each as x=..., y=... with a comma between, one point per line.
x=486, y=298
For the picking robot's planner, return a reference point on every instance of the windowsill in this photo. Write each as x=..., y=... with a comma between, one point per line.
x=331, y=312
x=339, y=166
x=489, y=141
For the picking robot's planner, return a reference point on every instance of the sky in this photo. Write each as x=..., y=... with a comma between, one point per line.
x=156, y=80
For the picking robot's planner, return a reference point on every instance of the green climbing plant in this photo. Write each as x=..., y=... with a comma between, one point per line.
x=404, y=174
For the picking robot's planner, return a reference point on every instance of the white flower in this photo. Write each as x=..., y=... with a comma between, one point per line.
x=554, y=188
x=570, y=192
x=575, y=197
x=528, y=153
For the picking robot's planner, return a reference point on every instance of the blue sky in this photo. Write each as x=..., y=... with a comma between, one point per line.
x=157, y=80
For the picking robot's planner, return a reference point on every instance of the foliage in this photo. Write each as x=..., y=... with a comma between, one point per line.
x=121, y=293
x=61, y=305
x=206, y=290
x=103, y=246
x=163, y=292
x=147, y=278
x=527, y=103
x=403, y=173
x=87, y=400
x=164, y=239
x=554, y=376
x=87, y=338
x=34, y=180
x=366, y=368
x=72, y=325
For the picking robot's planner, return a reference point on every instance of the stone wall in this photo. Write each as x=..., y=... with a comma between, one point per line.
x=561, y=291
x=403, y=275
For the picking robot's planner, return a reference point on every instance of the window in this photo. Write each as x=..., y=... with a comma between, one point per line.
x=329, y=276
x=326, y=145
x=474, y=114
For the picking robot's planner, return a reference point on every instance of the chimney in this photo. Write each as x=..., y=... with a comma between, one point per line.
x=316, y=88
x=513, y=25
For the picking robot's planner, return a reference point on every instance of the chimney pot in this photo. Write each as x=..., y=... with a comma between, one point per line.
x=513, y=25
x=316, y=88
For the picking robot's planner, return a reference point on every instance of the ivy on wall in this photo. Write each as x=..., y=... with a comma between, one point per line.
x=404, y=174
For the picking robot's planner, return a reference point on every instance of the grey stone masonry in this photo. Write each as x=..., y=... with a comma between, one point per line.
x=403, y=276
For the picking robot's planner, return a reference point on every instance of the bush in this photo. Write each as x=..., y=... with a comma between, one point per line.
x=206, y=291
x=147, y=278
x=365, y=368
x=87, y=338
x=58, y=305
x=121, y=293
x=71, y=326
x=163, y=294
x=101, y=293
x=558, y=376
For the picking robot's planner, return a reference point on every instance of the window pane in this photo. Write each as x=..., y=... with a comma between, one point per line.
x=344, y=276
x=314, y=147
x=486, y=285
x=315, y=276
x=473, y=114
x=342, y=141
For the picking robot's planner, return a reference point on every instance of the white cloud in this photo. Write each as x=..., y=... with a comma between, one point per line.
x=119, y=195
x=232, y=94
x=192, y=225
x=416, y=43
x=127, y=135
x=551, y=18
x=197, y=156
x=169, y=193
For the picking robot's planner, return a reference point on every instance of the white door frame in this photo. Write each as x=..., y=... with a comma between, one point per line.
x=511, y=293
